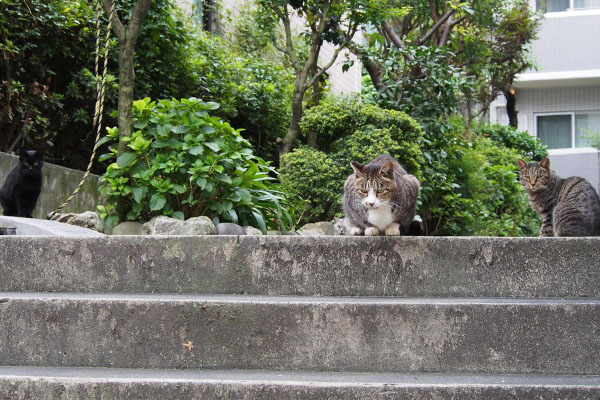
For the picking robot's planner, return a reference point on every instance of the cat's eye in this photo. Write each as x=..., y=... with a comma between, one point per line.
x=382, y=190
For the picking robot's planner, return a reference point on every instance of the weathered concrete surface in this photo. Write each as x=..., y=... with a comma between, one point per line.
x=59, y=183
x=491, y=336
x=118, y=384
x=42, y=227
x=295, y=265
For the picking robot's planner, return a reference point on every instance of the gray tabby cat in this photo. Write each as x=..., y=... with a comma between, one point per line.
x=569, y=207
x=379, y=198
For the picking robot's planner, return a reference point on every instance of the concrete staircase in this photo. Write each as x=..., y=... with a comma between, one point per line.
x=221, y=317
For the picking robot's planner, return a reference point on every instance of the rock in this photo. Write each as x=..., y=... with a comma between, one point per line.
x=128, y=228
x=162, y=225
x=317, y=229
x=88, y=219
x=252, y=231
x=228, y=228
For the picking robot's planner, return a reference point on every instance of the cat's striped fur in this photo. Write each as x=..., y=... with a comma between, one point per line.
x=379, y=198
x=568, y=207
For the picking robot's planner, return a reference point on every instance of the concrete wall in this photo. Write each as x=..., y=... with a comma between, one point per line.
x=568, y=41
x=59, y=183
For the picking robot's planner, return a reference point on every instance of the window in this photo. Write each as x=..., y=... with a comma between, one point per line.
x=567, y=130
x=565, y=5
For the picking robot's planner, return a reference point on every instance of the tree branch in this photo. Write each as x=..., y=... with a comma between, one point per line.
x=435, y=28
x=449, y=26
x=393, y=36
x=134, y=27
x=326, y=67
x=289, y=45
x=117, y=25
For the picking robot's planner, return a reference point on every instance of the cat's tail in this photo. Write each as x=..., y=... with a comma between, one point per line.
x=415, y=228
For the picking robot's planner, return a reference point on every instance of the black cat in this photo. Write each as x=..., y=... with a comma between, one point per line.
x=23, y=185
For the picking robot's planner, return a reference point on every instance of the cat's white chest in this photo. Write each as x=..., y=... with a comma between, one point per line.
x=381, y=217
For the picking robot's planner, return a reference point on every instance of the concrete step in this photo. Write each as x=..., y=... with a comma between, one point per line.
x=285, y=265
x=461, y=335
x=18, y=383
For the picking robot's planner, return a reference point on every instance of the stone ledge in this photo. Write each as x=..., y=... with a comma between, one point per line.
x=42, y=227
x=24, y=383
x=304, y=265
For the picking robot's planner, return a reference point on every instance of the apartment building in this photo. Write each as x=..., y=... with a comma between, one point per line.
x=560, y=101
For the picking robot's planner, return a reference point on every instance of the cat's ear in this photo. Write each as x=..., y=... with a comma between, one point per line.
x=545, y=163
x=357, y=167
x=387, y=169
x=522, y=164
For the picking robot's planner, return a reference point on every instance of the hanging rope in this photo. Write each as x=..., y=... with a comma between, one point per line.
x=100, y=95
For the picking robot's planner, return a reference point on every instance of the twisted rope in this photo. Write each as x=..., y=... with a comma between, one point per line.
x=100, y=96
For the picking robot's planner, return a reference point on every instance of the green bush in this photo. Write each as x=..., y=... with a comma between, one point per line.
x=182, y=162
x=507, y=136
x=472, y=188
x=497, y=203
x=315, y=177
x=346, y=130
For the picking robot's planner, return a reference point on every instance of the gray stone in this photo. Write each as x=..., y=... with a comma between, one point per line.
x=252, y=231
x=317, y=229
x=162, y=225
x=87, y=219
x=228, y=228
x=127, y=228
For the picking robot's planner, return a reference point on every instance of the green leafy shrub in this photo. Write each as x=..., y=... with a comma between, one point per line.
x=315, y=177
x=499, y=206
x=472, y=188
x=182, y=162
x=346, y=130
x=507, y=136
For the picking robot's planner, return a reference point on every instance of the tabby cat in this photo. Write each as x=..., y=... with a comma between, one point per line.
x=569, y=207
x=23, y=185
x=380, y=198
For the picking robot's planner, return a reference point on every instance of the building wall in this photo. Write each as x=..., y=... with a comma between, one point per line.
x=568, y=41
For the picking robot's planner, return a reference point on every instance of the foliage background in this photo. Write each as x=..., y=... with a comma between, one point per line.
x=467, y=169
x=48, y=91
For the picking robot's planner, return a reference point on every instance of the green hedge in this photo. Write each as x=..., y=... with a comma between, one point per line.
x=346, y=130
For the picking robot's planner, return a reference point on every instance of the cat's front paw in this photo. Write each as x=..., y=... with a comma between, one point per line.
x=355, y=231
x=371, y=231
x=392, y=230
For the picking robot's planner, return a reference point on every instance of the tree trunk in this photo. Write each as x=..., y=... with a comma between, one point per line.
x=286, y=144
x=511, y=109
x=126, y=87
x=316, y=99
x=128, y=36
